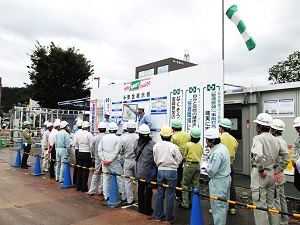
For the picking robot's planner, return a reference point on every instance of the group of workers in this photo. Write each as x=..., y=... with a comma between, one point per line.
x=174, y=161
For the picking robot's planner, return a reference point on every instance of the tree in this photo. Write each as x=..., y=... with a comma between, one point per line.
x=286, y=71
x=14, y=95
x=58, y=75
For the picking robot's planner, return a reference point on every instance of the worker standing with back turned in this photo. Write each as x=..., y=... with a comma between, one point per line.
x=277, y=129
x=265, y=152
x=179, y=138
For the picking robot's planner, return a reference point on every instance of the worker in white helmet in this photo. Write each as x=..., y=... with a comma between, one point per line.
x=75, y=127
x=140, y=113
x=97, y=175
x=277, y=128
x=79, y=125
x=265, y=151
x=296, y=154
x=62, y=146
x=84, y=141
x=143, y=149
x=44, y=129
x=127, y=147
x=51, y=146
x=44, y=143
x=218, y=170
x=107, y=118
x=108, y=150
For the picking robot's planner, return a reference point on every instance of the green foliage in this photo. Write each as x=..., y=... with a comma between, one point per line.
x=14, y=95
x=286, y=71
x=58, y=75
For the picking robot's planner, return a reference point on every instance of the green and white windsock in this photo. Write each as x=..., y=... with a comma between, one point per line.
x=233, y=15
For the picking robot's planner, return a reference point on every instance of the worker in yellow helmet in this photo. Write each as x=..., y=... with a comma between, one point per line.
x=179, y=138
x=231, y=143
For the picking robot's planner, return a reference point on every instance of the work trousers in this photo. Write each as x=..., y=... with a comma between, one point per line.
x=232, y=189
x=191, y=177
x=263, y=196
x=97, y=176
x=75, y=167
x=129, y=169
x=72, y=157
x=114, y=166
x=52, y=163
x=165, y=177
x=219, y=187
x=280, y=203
x=145, y=198
x=25, y=156
x=84, y=159
x=62, y=159
x=179, y=180
x=45, y=155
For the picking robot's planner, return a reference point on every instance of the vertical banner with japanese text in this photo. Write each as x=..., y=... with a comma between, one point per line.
x=193, y=107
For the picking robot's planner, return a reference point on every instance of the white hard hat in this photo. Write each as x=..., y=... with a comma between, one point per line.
x=264, y=119
x=112, y=126
x=46, y=123
x=49, y=124
x=63, y=124
x=131, y=124
x=85, y=124
x=57, y=119
x=56, y=123
x=212, y=133
x=125, y=126
x=144, y=129
x=77, y=118
x=278, y=124
x=297, y=122
x=107, y=113
x=79, y=123
x=101, y=125
x=141, y=106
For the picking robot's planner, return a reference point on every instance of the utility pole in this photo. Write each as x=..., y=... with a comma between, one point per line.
x=97, y=78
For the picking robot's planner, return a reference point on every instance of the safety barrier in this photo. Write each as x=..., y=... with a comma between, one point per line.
x=248, y=206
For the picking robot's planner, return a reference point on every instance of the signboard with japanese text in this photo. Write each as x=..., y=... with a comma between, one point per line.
x=96, y=112
x=137, y=89
x=193, y=95
x=193, y=109
x=280, y=107
x=158, y=112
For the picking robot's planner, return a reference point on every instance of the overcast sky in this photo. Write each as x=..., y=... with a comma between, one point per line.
x=118, y=35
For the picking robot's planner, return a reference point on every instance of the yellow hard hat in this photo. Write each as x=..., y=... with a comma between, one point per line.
x=166, y=131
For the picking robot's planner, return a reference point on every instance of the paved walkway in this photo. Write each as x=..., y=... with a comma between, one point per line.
x=27, y=199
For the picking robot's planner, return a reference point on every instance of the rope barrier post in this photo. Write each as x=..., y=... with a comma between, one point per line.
x=21, y=143
x=196, y=214
x=37, y=167
x=18, y=159
x=67, y=177
x=114, y=200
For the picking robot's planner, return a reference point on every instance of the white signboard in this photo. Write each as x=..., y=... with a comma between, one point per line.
x=280, y=107
x=194, y=95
